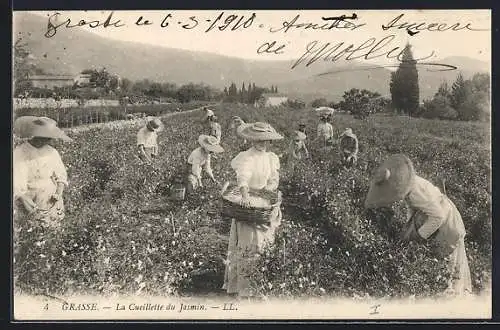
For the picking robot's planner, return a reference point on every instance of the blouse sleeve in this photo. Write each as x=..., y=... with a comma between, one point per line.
x=140, y=138
x=274, y=178
x=208, y=166
x=19, y=175
x=195, y=165
x=218, y=132
x=242, y=165
x=60, y=172
x=429, y=204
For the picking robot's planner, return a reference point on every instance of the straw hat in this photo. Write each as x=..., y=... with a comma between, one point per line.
x=208, y=113
x=324, y=111
x=298, y=135
x=348, y=132
x=391, y=182
x=210, y=143
x=259, y=132
x=154, y=123
x=32, y=126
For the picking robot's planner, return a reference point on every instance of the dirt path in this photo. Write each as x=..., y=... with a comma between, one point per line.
x=125, y=123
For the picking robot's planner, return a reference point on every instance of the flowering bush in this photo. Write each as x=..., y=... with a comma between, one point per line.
x=122, y=234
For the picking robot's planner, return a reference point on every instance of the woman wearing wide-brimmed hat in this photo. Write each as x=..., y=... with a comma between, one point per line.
x=199, y=159
x=39, y=180
x=39, y=175
x=256, y=170
x=207, y=114
x=325, y=129
x=348, y=147
x=432, y=215
x=147, y=140
x=297, y=150
x=214, y=128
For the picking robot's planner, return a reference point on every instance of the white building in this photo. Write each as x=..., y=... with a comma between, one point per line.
x=271, y=100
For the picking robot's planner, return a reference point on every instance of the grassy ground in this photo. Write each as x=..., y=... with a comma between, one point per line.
x=122, y=235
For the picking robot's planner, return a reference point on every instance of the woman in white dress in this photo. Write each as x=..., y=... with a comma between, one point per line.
x=256, y=169
x=39, y=180
x=432, y=215
x=147, y=140
x=39, y=175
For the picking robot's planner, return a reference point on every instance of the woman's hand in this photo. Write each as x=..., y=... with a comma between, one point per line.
x=263, y=226
x=55, y=198
x=411, y=234
x=28, y=204
x=245, y=201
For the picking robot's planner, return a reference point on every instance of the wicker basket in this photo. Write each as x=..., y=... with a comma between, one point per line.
x=177, y=192
x=259, y=214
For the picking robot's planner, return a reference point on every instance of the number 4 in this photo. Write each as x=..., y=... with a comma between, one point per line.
x=46, y=307
x=374, y=309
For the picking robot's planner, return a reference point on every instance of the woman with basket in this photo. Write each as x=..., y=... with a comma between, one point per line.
x=39, y=180
x=432, y=215
x=253, y=204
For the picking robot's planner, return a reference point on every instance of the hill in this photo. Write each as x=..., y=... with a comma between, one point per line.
x=71, y=52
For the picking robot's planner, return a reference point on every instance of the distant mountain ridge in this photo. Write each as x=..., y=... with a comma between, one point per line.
x=71, y=52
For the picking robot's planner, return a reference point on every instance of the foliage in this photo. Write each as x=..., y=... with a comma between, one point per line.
x=122, y=235
x=467, y=100
x=71, y=117
x=439, y=107
x=361, y=103
x=23, y=66
x=321, y=102
x=249, y=94
x=295, y=104
x=404, y=85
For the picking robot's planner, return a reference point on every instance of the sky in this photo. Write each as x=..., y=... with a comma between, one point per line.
x=474, y=42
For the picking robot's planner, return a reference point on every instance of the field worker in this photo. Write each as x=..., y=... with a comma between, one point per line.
x=256, y=170
x=215, y=128
x=432, y=215
x=39, y=181
x=207, y=114
x=325, y=131
x=239, y=124
x=147, y=140
x=39, y=175
x=349, y=147
x=200, y=159
x=302, y=128
x=298, y=148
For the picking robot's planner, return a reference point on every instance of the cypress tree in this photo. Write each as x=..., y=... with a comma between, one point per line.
x=404, y=84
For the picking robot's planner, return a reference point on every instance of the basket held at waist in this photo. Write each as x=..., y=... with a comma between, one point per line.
x=259, y=199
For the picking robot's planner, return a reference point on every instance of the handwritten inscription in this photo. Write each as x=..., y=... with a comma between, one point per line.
x=414, y=28
x=52, y=24
x=341, y=22
x=315, y=50
x=271, y=48
x=369, y=49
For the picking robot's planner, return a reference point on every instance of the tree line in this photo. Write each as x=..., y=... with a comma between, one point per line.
x=248, y=93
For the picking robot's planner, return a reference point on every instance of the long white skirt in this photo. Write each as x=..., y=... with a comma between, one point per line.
x=246, y=241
